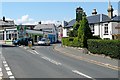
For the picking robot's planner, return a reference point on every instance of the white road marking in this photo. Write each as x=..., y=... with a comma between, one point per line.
x=9, y=73
x=6, y=65
x=79, y=73
x=36, y=52
x=1, y=74
x=11, y=77
x=4, y=62
x=50, y=60
x=32, y=52
x=7, y=68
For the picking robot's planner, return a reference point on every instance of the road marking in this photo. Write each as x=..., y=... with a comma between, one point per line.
x=1, y=74
x=36, y=52
x=79, y=73
x=7, y=68
x=6, y=65
x=52, y=61
x=31, y=52
x=4, y=62
x=9, y=73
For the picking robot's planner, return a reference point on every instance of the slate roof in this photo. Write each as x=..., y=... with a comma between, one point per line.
x=97, y=18
x=117, y=18
x=43, y=26
x=91, y=19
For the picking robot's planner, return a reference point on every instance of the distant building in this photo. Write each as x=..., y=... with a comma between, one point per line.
x=105, y=26
x=7, y=29
x=49, y=31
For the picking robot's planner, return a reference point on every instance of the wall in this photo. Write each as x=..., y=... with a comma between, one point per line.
x=65, y=32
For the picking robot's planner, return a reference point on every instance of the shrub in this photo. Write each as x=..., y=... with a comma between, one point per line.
x=71, y=41
x=107, y=47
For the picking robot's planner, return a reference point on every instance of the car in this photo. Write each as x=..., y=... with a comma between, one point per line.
x=22, y=41
x=44, y=41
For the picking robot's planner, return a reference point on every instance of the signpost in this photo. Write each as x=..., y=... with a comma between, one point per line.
x=21, y=31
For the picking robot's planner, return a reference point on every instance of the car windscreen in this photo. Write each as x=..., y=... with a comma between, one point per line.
x=43, y=39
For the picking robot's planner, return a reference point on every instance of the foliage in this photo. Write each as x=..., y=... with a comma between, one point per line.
x=84, y=32
x=75, y=29
x=71, y=41
x=107, y=47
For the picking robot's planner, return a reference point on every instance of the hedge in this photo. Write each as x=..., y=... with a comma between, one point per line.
x=71, y=41
x=107, y=47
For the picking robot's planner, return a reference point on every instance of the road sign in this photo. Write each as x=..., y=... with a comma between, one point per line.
x=21, y=31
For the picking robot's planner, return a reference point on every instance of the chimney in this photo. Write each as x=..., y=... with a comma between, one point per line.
x=3, y=18
x=94, y=12
x=110, y=10
x=39, y=22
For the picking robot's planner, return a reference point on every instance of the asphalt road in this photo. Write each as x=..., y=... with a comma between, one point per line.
x=44, y=62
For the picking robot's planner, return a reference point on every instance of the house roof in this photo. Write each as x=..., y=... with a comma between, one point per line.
x=95, y=19
x=117, y=18
x=43, y=26
x=6, y=23
x=71, y=23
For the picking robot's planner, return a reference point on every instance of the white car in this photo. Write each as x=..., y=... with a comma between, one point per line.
x=44, y=41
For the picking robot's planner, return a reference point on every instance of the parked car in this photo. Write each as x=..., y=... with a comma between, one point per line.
x=44, y=41
x=22, y=41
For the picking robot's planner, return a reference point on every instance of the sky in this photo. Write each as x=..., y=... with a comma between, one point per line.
x=49, y=12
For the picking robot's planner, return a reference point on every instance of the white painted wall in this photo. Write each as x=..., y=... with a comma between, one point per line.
x=65, y=32
x=96, y=30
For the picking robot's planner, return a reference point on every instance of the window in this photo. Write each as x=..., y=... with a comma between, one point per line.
x=106, y=29
x=92, y=28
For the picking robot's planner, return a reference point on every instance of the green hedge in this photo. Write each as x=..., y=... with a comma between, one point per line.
x=71, y=41
x=107, y=47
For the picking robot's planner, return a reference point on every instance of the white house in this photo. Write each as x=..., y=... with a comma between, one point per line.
x=104, y=26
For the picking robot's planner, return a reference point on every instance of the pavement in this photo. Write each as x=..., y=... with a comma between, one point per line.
x=92, y=58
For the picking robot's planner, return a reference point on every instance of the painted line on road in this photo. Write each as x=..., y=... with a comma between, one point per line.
x=6, y=65
x=82, y=74
x=8, y=70
x=52, y=61
x=9, y=73
x=4, y=62
x=31, y=51
x=36, y=52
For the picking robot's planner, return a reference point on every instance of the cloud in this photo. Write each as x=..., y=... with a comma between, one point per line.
x=115, y=12
x=26, y=20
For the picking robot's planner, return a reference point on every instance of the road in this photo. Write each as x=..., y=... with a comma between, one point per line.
x=45, y=62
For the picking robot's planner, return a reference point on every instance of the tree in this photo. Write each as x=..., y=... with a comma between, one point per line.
x=75, y=28
x=84, y=32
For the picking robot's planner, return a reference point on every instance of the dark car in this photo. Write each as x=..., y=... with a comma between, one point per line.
x=22, y=41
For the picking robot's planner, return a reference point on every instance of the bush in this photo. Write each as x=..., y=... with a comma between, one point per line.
x=71, y=41
x=107, y=47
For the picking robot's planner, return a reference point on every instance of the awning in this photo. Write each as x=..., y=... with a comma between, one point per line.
x=34, y=32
